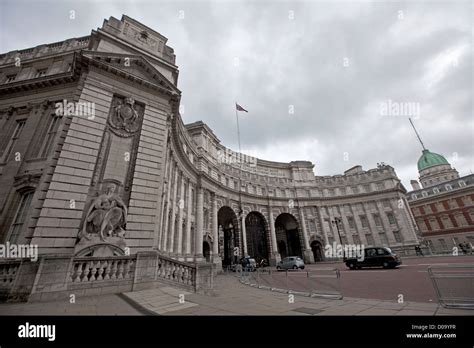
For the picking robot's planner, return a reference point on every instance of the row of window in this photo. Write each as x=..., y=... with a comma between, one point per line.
x=370, y=241
x=46, y=139
x=442, y=206
x=37, y=74
x=446, y=222
x=435, y=190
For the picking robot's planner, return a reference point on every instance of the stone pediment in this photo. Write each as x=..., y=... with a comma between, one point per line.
x=134, y=66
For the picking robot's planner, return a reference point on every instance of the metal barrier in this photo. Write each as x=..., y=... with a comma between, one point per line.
x=454, y=285
x=323, y=282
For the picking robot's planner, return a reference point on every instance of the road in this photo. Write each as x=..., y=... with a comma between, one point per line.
x=411, y=279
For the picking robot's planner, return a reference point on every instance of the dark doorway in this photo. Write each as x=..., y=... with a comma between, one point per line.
x=228, y=227
x=206, y=251
x=287, y=234
x=317, y=249
x=257, y=245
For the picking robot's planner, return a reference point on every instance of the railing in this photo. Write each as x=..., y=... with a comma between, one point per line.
x=176, y=271
x=98, y=269
x=8, y=273
x=315, y=283
x=454, y=285
x=9, y=270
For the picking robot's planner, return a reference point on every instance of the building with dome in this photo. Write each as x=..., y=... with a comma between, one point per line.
x=443, y=206
x=98, y=170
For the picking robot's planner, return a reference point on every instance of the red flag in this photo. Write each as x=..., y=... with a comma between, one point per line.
x=239, y=108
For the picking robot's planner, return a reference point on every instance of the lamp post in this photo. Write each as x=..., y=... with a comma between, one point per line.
x=337, y=221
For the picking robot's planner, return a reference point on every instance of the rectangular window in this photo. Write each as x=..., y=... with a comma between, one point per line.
x=350, y=220
x=446, y=222
x=377, y=220
x=20, y=217
x=13, y=139
x=10, y=78
x=48, y=140
x=356, y=239
x=391, y=218
x=363, y=221
x=397, y=236
x=41, y=72
x=370, y=239
x=383, y=238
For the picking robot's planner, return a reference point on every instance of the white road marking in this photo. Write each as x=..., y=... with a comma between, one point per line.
x=430, y=264
x=360, y=271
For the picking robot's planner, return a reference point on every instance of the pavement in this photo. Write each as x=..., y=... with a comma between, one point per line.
x=230, y=297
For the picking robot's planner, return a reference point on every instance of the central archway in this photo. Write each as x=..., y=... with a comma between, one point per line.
x=288, y=238
x=228, y=235
x=257, y=246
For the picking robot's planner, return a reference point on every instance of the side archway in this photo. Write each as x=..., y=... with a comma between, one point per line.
x=256, y=233
x=228, y=234
x=287, y=234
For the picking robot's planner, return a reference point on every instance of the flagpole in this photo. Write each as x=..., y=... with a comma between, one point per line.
x=238, y=128
x=241, y=212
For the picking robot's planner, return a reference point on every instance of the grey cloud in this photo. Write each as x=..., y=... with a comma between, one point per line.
x=299, y=62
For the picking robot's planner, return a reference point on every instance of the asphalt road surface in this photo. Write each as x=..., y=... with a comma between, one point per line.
x=411, y=279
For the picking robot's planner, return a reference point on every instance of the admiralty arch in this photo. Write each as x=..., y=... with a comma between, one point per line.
x=177, y=190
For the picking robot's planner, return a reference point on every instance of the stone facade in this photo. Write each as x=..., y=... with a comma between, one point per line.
x=117, y=171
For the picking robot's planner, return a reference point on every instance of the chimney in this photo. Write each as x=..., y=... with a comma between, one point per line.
x=415, y=185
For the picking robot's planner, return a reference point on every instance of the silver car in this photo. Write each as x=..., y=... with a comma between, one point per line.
x=291, y=262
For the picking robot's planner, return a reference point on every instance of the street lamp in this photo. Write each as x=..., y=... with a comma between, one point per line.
x=337, y=221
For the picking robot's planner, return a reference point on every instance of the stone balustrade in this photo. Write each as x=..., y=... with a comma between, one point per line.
x=8, y=273
x=57, y=277
x=176, y=271
x=97, y=269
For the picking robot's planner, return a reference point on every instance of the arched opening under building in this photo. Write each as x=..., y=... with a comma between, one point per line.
x=317, y=249
x=228, y=235
x=288, y=238
x=257, y=244
x=206, y=251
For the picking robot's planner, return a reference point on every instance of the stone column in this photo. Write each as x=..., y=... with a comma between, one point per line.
x=374, y=231
x=215, y=234
x=179, y=243
x=244, y=236
x=198, y=233
x=360, y=230
x=164, y=233
x=321, y=220
x=275, y=257
x=386, y=224
x=307, y=252
x=173, y=213
x=189, y=212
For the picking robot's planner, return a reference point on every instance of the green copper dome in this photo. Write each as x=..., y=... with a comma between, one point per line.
x=430, y=159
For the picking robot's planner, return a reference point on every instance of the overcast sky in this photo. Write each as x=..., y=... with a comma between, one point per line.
x=315, y=76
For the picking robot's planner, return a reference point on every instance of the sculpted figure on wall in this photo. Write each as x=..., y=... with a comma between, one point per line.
x=107, y=216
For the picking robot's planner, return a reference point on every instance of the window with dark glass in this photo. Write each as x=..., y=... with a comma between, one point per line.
x=5, y=153
x=48, y=140
x=20, y=217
